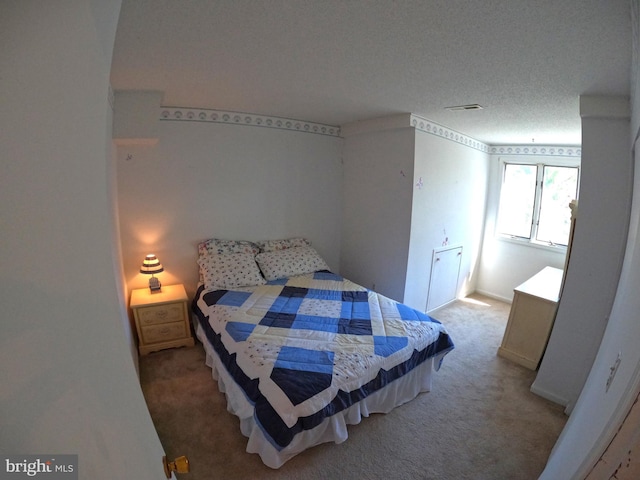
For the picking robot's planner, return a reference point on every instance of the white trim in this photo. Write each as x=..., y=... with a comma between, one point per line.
x=550, y=396
x=439, y=307
x=526, y=242
x=492, y=295
x=180, y=114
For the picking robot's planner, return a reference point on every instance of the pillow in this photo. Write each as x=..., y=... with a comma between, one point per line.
x=290, y=262
x=283, y=244
x=216, y=246
x=229, y=271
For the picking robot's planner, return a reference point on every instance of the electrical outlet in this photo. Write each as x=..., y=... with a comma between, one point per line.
x=613, y=369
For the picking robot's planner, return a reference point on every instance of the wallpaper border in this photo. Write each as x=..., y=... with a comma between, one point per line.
x=537, y=150
x=182, y=114
x=433, y=128
x=185, y=114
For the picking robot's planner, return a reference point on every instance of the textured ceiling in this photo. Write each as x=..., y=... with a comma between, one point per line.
x=339, y=61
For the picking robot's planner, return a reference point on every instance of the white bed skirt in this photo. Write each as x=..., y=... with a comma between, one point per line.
x=332, y=429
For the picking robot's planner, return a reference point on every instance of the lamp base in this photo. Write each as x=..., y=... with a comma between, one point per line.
x=154, y=285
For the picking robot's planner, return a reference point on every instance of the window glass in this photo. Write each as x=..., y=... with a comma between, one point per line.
x=517, y=200
x=559, y=187
x=534, y=202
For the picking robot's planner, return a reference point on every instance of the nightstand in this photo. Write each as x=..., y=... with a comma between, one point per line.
x=162, y=318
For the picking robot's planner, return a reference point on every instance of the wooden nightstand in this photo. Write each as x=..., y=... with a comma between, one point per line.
x=162, y=319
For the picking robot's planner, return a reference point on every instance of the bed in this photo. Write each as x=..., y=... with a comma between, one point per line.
x=301, y=352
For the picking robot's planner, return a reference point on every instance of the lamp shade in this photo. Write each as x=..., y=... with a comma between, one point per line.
x=151, y=265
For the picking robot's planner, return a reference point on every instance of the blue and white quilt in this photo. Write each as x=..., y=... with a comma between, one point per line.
x=307, y=347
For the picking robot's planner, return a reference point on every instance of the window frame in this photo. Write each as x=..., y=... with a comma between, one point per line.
x=540, y=162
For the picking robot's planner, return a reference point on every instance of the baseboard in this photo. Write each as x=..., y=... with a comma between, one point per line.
x=429, y=312
x=493, y=295
x=519, y=359
x=541, y=392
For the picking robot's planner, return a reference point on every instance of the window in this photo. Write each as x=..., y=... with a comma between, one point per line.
x=534, y=202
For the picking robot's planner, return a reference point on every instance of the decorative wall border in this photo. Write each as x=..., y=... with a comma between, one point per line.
x=180, y=114
x=427, y=126
x=539, y=150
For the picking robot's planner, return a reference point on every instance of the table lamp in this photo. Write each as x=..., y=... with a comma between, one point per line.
x=150, y=266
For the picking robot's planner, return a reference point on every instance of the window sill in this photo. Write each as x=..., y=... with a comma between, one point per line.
x=560, y=249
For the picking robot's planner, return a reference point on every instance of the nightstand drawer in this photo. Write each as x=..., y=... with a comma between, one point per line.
x=163, y=332
x=161, y=314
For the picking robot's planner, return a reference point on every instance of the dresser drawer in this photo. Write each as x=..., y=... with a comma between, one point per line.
x=163, y=332
x=161, y=314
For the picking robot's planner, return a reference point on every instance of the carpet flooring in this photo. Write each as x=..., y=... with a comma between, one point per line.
x=480, y=421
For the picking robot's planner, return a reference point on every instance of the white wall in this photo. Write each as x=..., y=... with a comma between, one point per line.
x=450, y=187
x=378, y=190
x=203, y=180
x=597, y=251
x=505, y=264
x=598, y=412
x=68, y=381
x=393, y=220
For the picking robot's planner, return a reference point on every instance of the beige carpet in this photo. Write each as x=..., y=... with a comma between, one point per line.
x=480, y=421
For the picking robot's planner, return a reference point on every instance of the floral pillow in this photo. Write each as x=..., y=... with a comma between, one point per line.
x=283, y=244
x=216, y=246
x=229, y=271
x=290, y=262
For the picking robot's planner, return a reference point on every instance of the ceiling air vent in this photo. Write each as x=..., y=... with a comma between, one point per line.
x=473, y=106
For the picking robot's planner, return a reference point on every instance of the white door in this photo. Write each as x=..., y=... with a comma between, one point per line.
x=443, y=285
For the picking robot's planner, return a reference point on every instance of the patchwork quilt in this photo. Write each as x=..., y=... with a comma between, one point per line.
x=307, y=347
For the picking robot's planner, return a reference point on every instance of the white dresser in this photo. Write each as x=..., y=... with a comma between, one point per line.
x=533, y=311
